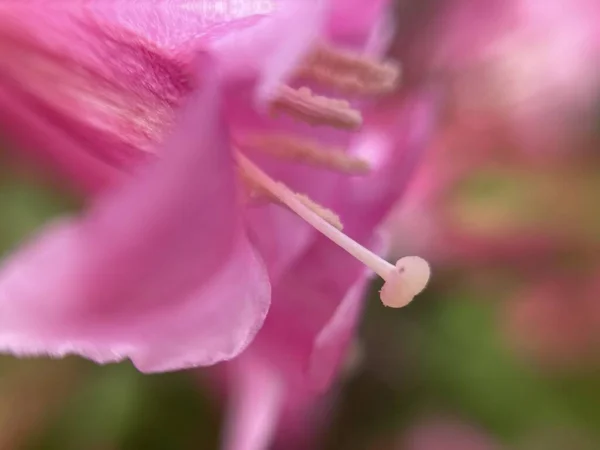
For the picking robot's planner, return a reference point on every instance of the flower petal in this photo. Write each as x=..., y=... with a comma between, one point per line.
x=268, y=410
x=331, y=344
x=356, y=20
x=272, y=48
x=90, y=88
x=393, y=142
x=159, y=270
x=89, y=100
x=256, y=400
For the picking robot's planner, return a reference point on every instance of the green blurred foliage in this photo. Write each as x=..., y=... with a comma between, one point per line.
x=27, y=201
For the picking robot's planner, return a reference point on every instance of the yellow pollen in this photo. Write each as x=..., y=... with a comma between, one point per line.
x=316, y=110
x=350, y=72
x=306, y=151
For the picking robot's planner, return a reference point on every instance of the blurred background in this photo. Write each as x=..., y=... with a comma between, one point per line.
x=502, y=351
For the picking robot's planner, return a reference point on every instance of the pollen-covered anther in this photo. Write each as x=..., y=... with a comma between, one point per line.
x=256, y=194
x=309, y=152
x=350, y=72
x=326, y=214
x=316, y=110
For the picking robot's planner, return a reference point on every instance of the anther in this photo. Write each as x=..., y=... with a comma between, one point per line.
x=306, y=151
x=316, y=110
x=257, y=194
x=403, y=281
x=350, y=72
x=326, y=214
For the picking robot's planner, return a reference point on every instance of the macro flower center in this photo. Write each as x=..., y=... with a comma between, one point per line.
x=351, y=74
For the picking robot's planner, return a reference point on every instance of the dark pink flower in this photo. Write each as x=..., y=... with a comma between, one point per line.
x=168, y=265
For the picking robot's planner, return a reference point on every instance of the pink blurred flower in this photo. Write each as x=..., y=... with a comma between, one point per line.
x=447, y=434
x=319, y=299
x=556, y=321
x=165, y=268
x=524, y=74
x=541, y=75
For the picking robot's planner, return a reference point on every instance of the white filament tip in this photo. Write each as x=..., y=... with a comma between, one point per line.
x=408, y=278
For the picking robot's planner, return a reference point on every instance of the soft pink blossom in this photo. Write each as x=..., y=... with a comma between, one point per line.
x=166, y=267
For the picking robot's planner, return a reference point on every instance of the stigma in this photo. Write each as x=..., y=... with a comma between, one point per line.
x=349, y=73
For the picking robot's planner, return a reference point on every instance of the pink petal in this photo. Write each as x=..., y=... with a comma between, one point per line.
x=331, y=344
x=268, y=410
x=91, y=87
x=356, y=19
x=298, y=24
x=272, y=47
x=393, y=141
x=178, y=25
x=84, y=98
x=256, y=399
x=159, y=270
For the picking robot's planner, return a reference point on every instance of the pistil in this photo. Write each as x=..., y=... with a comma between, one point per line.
x=403, y=281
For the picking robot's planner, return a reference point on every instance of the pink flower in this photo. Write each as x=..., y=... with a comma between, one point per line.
x=168, y=265
x=278, y=384
x=449, y=434
x=556, y=320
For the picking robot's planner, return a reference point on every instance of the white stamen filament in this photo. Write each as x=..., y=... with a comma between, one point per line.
x=402, y=281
